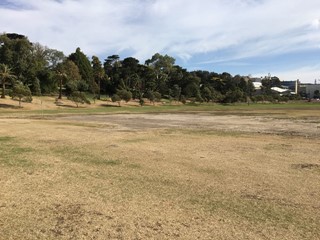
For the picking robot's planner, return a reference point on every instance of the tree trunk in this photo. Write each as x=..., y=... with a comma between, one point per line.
x=60, y=89
x=3, y=89
x=99, y=91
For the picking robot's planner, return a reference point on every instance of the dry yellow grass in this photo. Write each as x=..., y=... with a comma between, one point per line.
x=52, y=103
x=67, y=179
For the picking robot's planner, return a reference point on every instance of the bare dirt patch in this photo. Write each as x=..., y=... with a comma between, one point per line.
x=207, y=121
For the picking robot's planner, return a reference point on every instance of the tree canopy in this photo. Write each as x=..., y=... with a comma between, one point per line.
x=49, y=71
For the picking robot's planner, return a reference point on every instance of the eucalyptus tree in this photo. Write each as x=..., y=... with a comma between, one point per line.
x=30, y=62
x=162, y=67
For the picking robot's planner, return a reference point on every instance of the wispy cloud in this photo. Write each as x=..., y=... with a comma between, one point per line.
x=233, y=30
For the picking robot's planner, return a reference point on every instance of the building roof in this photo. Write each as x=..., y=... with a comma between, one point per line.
x=257, y=85
x=280, y=90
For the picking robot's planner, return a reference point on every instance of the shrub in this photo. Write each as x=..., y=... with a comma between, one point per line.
x=21, y=92
x=116, y=98
x=125, y=95
x=78, y=97
x=183, y=99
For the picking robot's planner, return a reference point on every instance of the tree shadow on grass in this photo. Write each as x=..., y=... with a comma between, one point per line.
x=9, y=106
x=68, y=106
x=110, y=105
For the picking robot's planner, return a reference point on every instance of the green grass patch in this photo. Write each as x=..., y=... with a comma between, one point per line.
x=206, y=132
x=211, y=171
x=13, y=155
x=135, y=140
x=4, y=139
x=77, y=154
x=278, y=147
x=235, y=109
x=256, y=210
x=83, y=124
x=134, y=166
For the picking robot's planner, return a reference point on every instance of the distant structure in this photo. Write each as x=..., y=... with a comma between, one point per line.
x=293, y=86
x=255, y=79
x=282, y=91
x=309, y=90
x=256, y=83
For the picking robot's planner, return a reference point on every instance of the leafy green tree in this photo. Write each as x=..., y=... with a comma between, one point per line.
x=316, y=94
x=268, y=82
x=40, y=73
x=191, y=87
x=35, y=84
x=82, y=86
x=112, y=69
x=112, y=61
x=183, y=99
x=124, y=95
x=217, y=96
x=37, y=63
x=53, y=57
x=162, y=67
x=67, y=74
x=233, y=96
x=157, y=96
x=150, y=96
x=5, y=76
x=48, y=82
x=116, y=98
x=177, y=77
x=16, y=52
x=176, y=92
x=136, y=85
x=147, y=79
x=29, y=61
x=129, y=66
x=98, y=75
x=61, y=76
x=141, y=101
x=84, y=66
x=78, y=98
x=250, y=89
x=206, y=94
x=21, y=91
x=130, y=79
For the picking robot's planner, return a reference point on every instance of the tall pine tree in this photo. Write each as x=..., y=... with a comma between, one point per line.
x=84, y=65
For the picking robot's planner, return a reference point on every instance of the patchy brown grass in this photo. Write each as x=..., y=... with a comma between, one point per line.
x=67, y=179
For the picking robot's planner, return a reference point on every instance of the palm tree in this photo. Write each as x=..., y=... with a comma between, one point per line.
x=5, y=75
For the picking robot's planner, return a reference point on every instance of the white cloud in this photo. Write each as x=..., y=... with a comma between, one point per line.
x=180, y=28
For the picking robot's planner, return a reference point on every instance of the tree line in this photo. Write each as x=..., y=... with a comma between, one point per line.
x=33, y=69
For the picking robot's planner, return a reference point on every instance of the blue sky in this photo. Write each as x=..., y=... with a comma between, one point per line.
x=243, y=37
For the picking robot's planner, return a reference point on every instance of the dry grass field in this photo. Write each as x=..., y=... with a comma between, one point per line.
x=160, y=176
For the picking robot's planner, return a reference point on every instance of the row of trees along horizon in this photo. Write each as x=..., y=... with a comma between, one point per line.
x=28, y=68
